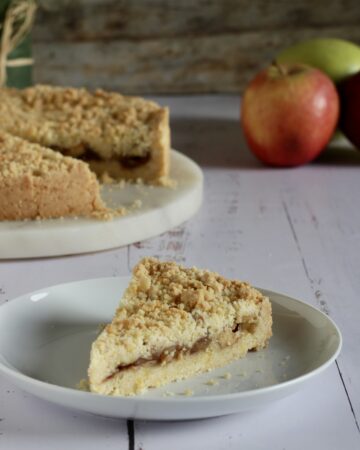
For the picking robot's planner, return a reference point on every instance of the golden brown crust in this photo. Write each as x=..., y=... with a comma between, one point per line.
x=100, y=126
x=36, y=182
x=167, y=307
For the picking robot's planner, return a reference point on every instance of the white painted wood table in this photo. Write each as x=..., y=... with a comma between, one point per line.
x=295, y=231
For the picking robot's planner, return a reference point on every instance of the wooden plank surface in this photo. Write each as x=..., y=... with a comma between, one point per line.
x=291, y=230
x=311, y=419
x=222, y=63
x=96, y=20
x=153, y=46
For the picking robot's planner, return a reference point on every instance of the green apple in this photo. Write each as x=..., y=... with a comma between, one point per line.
x=337, y=58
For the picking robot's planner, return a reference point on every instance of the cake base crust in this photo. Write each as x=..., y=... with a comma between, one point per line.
x=139, y=378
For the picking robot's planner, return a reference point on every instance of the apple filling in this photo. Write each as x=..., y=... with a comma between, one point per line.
x=86, y=154
x=132, y=162
x=176, y=352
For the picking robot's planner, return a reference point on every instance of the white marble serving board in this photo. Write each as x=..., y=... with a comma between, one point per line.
x=161, y=209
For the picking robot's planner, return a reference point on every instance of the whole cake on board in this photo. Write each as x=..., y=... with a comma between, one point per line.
x=119, y=136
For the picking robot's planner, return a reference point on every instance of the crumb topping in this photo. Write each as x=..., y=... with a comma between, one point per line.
x=166, y=305
x=38, y=183
x=77, y=121
x=19, y=157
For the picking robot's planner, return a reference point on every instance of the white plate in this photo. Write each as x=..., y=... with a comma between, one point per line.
x=161, y=209
x=45, y=339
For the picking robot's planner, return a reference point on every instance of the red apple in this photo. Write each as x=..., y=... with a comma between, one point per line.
x=350, y=108
x=289, y=113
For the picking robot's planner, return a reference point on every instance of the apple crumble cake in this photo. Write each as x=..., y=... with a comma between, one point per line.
x=36, y=182
x=123, y=137
x=175, y=322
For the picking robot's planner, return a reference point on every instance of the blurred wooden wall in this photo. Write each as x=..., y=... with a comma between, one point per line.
x=170, y=46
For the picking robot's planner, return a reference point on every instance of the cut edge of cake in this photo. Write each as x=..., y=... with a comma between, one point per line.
x=174, y=323
x=156, y=170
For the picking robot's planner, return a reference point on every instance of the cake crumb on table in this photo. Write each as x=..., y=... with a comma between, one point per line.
x=109, y=214
x=212, y=382
x=83, y=385
x=136, y=204
x=188, y=392
x=168, y=394
x=227, y=376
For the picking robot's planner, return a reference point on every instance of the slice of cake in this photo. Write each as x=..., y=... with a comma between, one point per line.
x=124, y=137
x=36, y=182
x=173, y=323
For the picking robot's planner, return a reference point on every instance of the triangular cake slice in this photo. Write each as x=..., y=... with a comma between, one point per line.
x=175, y=322
x=39, y=183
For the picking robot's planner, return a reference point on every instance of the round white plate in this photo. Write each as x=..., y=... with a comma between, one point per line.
x=161, y=209
x=45, y=339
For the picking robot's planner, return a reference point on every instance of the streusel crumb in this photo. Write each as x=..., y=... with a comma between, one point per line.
x=173, y=322
x=120, y=136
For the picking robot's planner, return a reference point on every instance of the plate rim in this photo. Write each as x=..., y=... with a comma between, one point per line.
x=12, y=373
